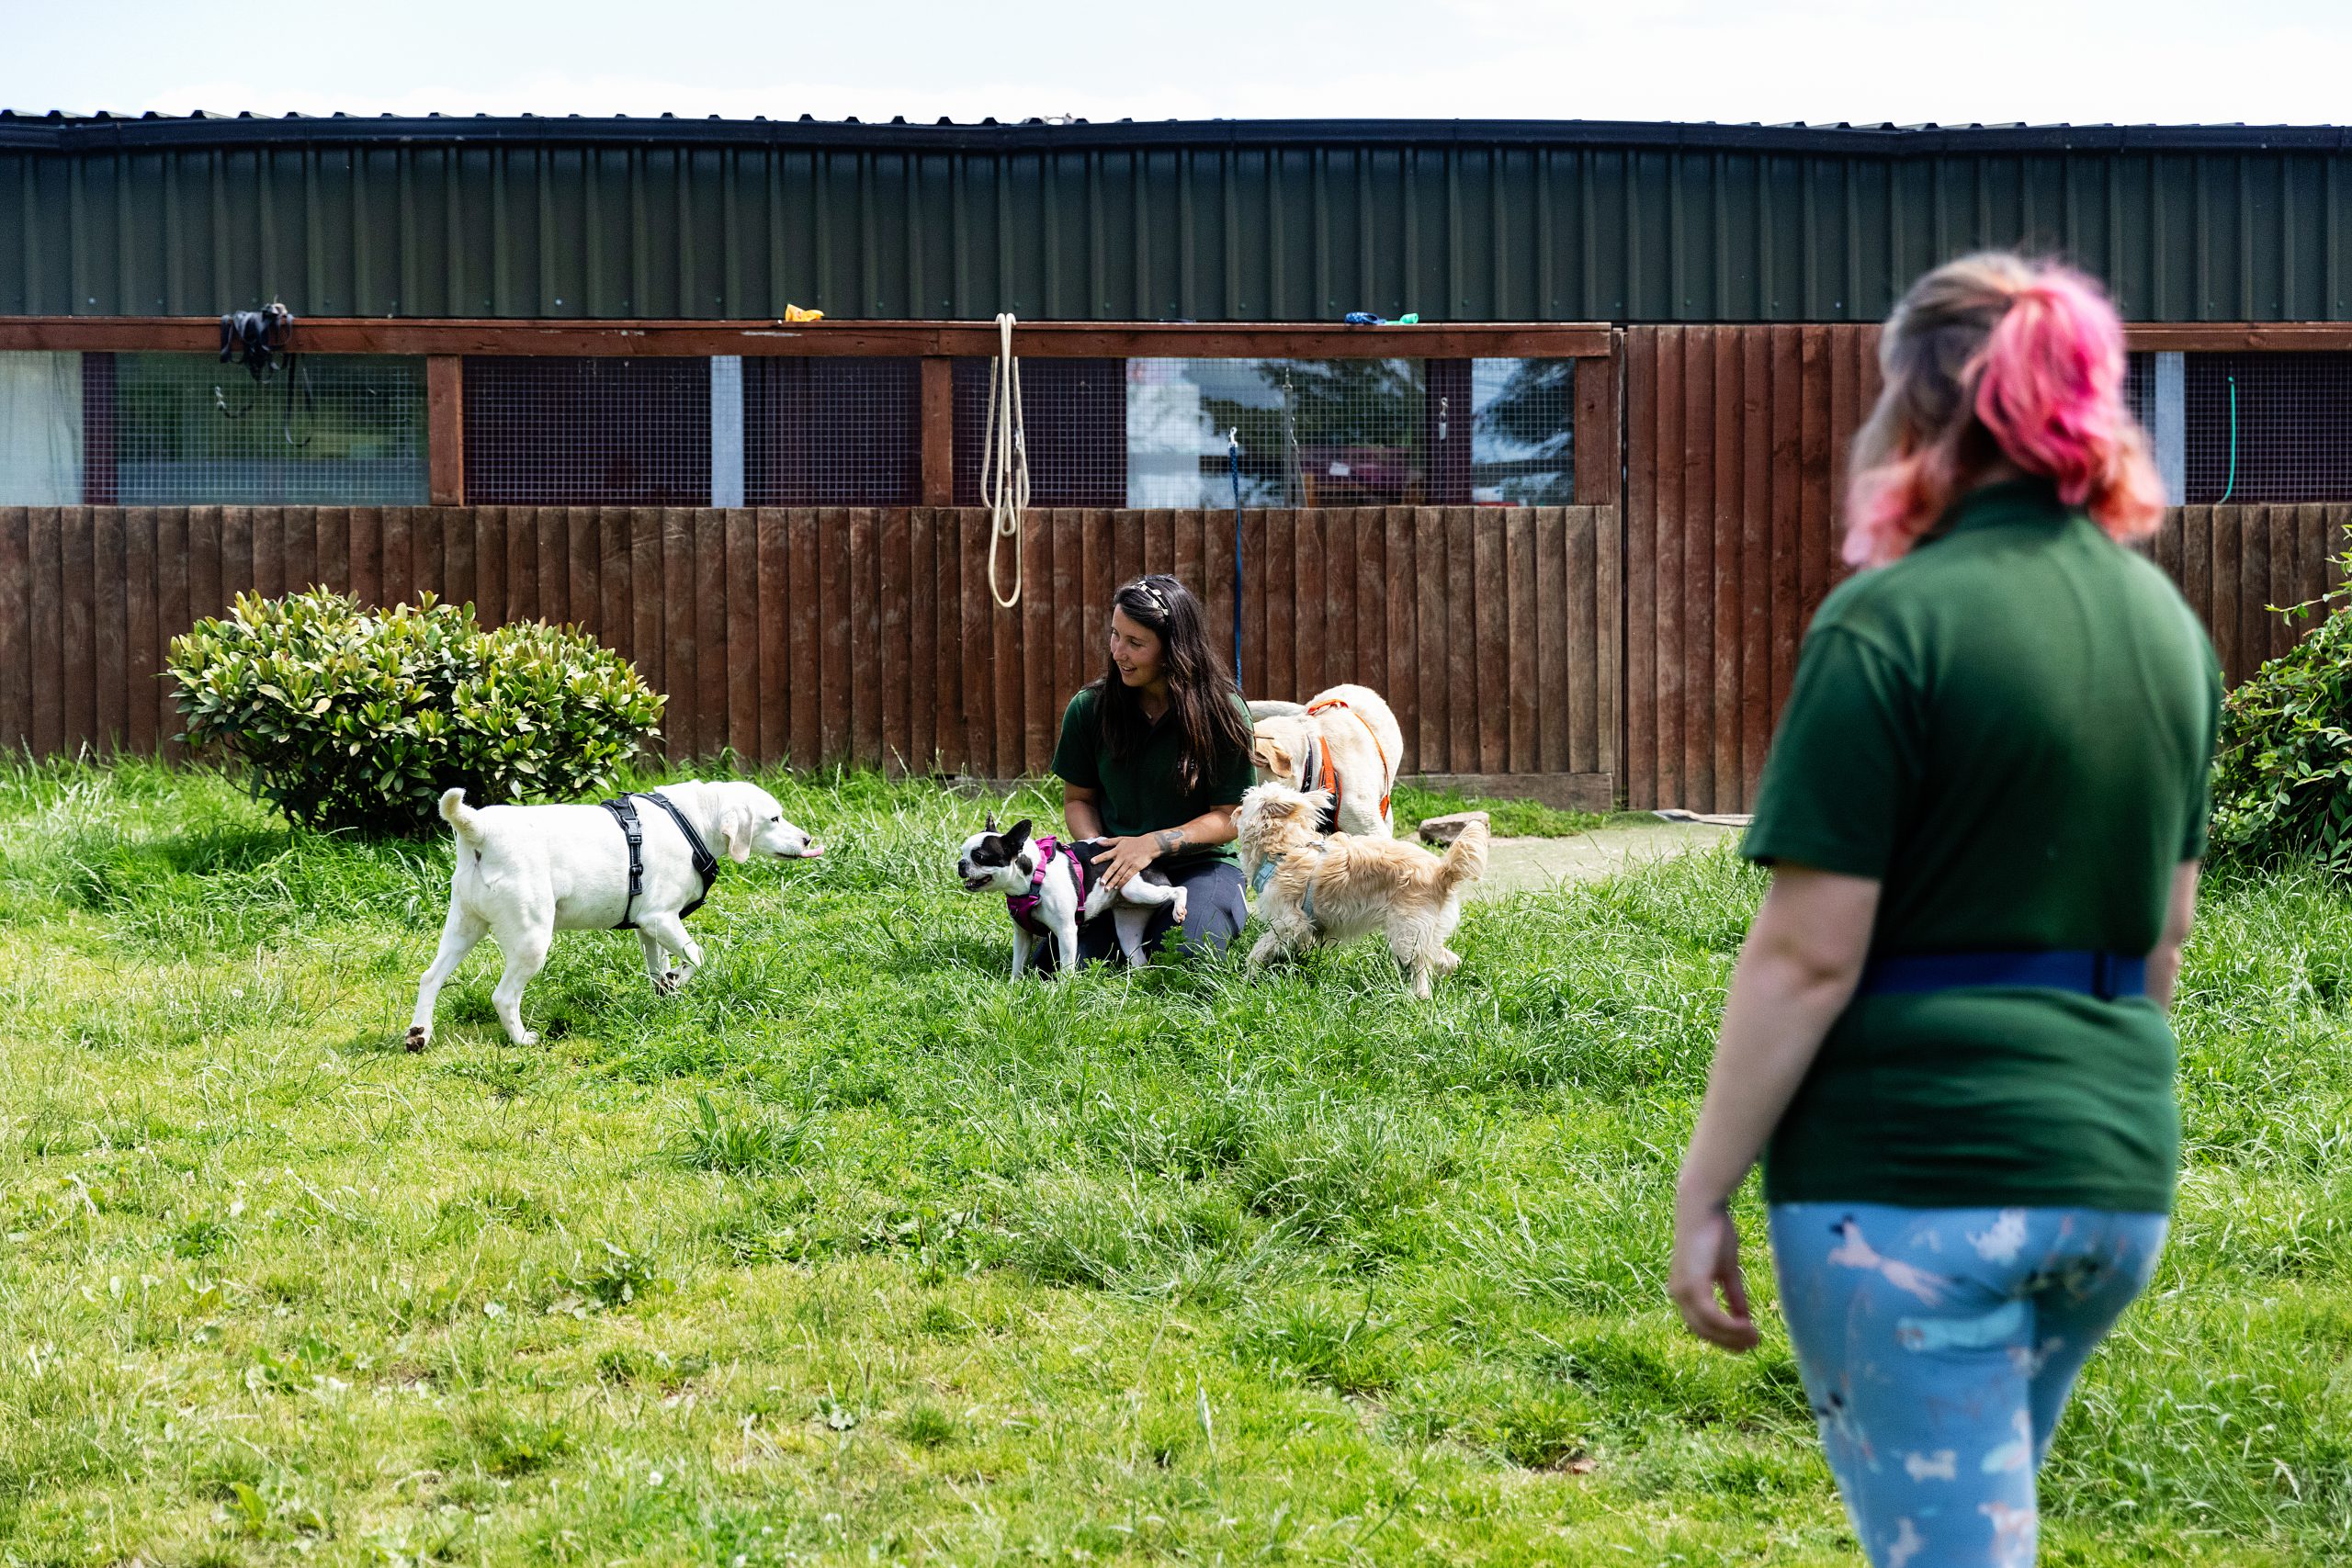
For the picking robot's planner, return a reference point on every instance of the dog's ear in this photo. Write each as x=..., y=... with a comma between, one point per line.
x=738, y=822
x=991, y=828
x=1275, y=757
x=1015, y=836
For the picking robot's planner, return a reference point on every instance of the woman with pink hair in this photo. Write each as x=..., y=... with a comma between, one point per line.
x=1947, y=1035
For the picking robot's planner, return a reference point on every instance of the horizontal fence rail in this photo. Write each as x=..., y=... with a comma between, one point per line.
x=868, y=634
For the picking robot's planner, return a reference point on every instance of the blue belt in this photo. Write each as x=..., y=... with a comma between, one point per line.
x=2106, y=975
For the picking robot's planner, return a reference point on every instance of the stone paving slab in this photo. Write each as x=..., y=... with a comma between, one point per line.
x=1519, y=865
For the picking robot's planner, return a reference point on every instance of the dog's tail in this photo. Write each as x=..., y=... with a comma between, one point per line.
x=1267, y=708
x=460, y=817
x=1465, y=858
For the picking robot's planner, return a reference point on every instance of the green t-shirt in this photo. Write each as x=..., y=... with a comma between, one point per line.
x=2011, y=729
x=1141, y=794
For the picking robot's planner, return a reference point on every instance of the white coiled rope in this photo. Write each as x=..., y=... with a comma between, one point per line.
x=1005, y=460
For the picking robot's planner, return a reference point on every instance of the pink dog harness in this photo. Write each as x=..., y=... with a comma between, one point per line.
x=1022, y=907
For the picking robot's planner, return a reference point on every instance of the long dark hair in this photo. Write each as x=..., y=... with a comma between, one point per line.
x=1200, y=689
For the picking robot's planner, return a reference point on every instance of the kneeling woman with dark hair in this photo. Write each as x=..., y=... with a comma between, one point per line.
x=1153, y=759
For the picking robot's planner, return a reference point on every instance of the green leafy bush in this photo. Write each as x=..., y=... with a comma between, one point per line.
x=351, y=717
x=2282, y=780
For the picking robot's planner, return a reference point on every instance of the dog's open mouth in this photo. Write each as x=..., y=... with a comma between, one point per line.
x=977, y=882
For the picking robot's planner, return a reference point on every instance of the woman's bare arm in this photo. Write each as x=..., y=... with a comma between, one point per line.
x=1796, y=973
x=1121, y=859
x=1081, y=812
x=2180, y=913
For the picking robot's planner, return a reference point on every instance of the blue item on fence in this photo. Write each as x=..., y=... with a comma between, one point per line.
x=1365, y=319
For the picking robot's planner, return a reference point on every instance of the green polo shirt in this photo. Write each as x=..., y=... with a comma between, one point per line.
x=1141, y=794
x=2011, y=729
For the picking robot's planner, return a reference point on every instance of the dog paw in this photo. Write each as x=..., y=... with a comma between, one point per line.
x=417, y=1037
x=528, y=1037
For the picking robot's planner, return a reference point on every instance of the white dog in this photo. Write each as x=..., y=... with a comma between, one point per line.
x=1050, y=888
x=1345, y=742
x=525, y=872
x=1315, y=887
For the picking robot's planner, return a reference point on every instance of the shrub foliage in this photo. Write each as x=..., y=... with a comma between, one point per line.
x=346, y=717
x=2282, y=778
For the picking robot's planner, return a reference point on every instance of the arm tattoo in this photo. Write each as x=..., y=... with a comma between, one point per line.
x=1169, y=840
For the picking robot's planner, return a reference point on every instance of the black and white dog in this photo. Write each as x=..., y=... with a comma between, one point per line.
x=1051, y=887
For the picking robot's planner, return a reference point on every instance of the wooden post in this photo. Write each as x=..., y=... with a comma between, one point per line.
x=1599, y=454
x=938, y=425
x=444, y=429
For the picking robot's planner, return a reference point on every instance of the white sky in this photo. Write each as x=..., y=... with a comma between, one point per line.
x=2263, y=61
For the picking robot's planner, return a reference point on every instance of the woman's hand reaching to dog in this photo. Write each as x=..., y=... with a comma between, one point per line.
x=1119, y=860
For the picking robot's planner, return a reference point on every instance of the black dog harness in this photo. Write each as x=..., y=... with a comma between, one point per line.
x=706, y=864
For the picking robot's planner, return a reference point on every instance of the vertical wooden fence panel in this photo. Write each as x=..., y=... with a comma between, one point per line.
x=1402, y=607
x=172, y=618
x=1039, y=712
x=865, y=670
x=743, y=676
x=805, y=697
x=772, y=621
x=109, y=608
x=1640, y=507
x=77, y=588
x=1489, y=608
x=1523, y=637
x=141, y=654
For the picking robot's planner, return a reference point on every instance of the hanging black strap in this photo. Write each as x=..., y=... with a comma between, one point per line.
x=625, y=815
x=706, y=864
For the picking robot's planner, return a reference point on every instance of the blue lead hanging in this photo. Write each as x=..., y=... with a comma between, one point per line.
x=1233, y=465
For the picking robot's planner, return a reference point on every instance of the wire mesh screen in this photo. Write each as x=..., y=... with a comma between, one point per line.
x=2269, y=427
x=185, y=430
x=831, y=433
x=2139, y=388
x=1074, y=428
x=588, y=432
x=1293, y=433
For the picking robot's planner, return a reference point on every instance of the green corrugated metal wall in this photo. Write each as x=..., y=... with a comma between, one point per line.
x=1222, y=221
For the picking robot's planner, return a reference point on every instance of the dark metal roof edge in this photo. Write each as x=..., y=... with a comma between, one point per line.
x=57, y=133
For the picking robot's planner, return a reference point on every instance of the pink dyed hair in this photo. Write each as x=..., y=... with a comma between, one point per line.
x=1993, y=358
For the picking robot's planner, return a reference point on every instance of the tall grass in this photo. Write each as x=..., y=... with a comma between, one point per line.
x=852, y=1251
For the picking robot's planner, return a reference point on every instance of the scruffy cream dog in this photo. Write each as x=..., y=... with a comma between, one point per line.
x=1315, y=887
x=1343, y=741
x=525, y=872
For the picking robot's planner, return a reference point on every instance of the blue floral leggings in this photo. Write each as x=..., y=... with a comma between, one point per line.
x=1938, y=1348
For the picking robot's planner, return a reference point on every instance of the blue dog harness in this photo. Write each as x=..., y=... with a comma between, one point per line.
x=2106, y=975
x=1266, y=868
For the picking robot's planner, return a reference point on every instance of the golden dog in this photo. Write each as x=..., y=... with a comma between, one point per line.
x=1315, y=889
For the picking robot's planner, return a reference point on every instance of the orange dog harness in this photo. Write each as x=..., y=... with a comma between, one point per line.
x=1330, y=778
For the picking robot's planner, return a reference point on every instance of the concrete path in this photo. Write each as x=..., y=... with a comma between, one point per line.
x=1518, y=865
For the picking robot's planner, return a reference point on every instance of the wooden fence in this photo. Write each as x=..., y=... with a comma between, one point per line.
x=1579, y=654
x=1733, y=439
x=869, y=635
x=1736, y=445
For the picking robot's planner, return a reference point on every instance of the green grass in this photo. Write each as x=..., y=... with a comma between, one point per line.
x=1510, y=818
x=851, y=1252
